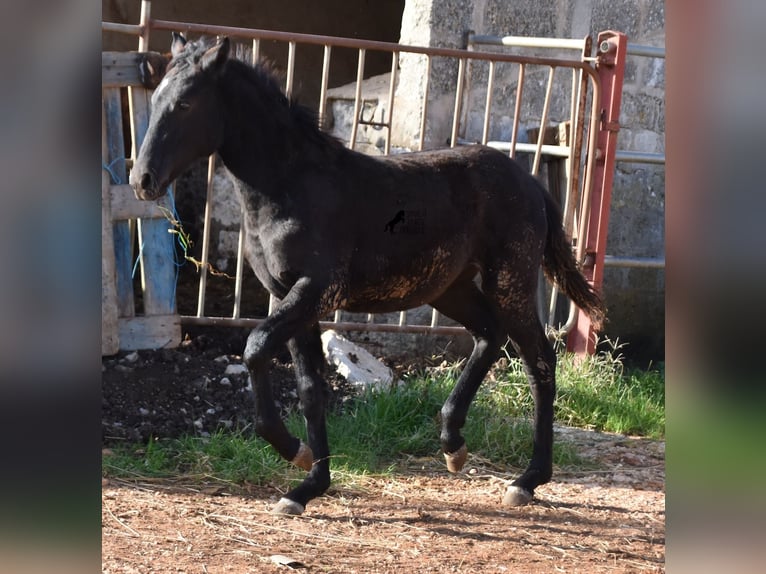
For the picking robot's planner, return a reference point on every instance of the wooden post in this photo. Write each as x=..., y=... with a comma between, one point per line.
x=110, y=341
x=160, y=325
x=114, y=158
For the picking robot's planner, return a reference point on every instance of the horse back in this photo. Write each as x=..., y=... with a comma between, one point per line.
x=420, y=220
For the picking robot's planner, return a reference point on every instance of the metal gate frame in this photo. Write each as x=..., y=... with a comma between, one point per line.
x=591, y=149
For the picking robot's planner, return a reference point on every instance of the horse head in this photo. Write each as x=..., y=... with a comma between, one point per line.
x=187, y=117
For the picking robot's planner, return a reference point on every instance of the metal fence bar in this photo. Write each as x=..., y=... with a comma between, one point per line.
x=488, y=102
x=240, y=267
x=543, y=121
x=357, y=97
x=343, y=326
x=517, y=111
x=236, y=311
x=648, y=51
x=391, y=92
x=640, y=157
x=132, y=29
x=290, y=69
x=422, y=135
x=145, y=19
x=640, y=262
x=525, y=42
x=206, y=237
x=325, y=79
x=551, y=150
x=460, y=84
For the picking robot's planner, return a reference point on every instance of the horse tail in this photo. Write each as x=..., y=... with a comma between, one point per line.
x=560, y=266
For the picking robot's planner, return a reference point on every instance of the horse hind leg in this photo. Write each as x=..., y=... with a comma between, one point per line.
x=466, y=304
x=529, y=340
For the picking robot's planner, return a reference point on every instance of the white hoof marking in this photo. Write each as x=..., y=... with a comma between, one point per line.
x=304, y=458
x=288, y=507
x=516, y=496
x=456, y=460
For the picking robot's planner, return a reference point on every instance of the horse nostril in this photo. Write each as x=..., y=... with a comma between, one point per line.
x=147, y=182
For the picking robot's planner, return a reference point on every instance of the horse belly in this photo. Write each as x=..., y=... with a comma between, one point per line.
x=385, y=287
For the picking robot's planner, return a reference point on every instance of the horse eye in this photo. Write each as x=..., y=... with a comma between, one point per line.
x=184, y=105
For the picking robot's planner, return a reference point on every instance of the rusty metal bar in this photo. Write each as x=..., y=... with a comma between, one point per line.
x=240, y=268
x=337, y=41
x=132, y=29
x=517, y=111
x=357, y=98
x=144, y=24
x=256, y=50
x=458, y=102
x=290, y=69
x=342, y=326
x=422, y=136
x=552, y=150
x=391, y=91
x=543, y=121
x=323, y=87
x=488, y=102
x=239, y=275
x=206, y=236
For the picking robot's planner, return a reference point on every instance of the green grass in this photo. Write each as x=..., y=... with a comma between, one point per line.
x=379, y=429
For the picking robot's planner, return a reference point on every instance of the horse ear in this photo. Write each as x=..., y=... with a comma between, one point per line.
x=216, y=57
x=177, y=44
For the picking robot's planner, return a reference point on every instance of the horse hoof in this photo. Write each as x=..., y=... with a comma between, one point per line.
x=288, y=507
x=304, y=458
x=516, y=496
x=456, y=460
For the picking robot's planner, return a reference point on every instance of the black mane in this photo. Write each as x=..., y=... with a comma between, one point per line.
x=266, y=78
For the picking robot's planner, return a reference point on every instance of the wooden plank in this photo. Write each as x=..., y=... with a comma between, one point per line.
x=155, y=332
x=120, y=69
x=110, y=340
x=125, y=205
x=157, y=252
x=122, y=237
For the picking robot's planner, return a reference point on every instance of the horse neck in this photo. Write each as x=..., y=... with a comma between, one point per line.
x=261, y=138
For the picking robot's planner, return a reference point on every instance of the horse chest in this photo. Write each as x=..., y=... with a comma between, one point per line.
x=271, y=250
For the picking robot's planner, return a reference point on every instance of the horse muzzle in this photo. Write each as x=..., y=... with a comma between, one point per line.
x=145, y=185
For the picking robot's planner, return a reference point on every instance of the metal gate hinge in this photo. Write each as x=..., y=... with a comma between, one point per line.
x=610, y=126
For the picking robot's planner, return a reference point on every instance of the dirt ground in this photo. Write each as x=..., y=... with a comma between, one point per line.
x=421, y=519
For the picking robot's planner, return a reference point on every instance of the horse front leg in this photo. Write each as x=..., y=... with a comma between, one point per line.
x=298, y=310
x=309, y=362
